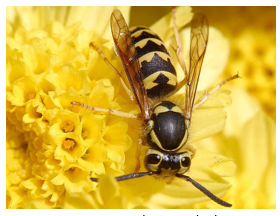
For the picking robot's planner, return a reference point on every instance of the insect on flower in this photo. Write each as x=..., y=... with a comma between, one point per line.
x=151, y=80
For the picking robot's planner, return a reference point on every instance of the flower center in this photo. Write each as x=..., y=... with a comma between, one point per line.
x=69, y=143
x=75, y=171
x=31, y=96
x=67, y=126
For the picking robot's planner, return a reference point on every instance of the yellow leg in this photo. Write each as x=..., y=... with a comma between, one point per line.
x=138, y=154
x=178, y=49
x=191, y=149
x=109, y=111
x=207, y=95
x=114, y=69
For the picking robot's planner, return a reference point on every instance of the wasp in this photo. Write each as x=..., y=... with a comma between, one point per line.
x=152, y=79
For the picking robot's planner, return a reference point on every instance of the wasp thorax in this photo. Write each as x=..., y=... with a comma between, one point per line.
x=167, y=163
x=169, y=129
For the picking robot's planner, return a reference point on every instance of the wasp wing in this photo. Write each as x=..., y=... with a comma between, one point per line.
x=126, y=51
x=198, y=44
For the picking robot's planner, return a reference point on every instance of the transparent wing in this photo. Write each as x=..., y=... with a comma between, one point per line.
x=198, y=44
x=126, y=50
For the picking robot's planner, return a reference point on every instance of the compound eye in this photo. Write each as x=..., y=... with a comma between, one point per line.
x=153, y=159
x=186, y=162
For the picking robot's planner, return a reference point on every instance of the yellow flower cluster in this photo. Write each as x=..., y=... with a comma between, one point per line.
x=50, y=148
x=53, y=147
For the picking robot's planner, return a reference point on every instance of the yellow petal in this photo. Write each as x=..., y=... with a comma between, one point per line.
x=209, y=118
x=111, y=200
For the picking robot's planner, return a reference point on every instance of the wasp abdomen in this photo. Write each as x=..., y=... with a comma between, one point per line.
x=156, y=68
x=169, y=129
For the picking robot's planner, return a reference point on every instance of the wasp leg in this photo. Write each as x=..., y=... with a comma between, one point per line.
x=208, y=94
x=137, y=155
x=110, y=111
x=191, y=149
x=114, y=69
x=178, y=49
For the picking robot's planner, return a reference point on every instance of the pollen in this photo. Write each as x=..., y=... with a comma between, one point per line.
x=67, y=126
x=68, y=144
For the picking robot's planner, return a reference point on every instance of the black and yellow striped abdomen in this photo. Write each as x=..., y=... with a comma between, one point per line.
x=158, y=72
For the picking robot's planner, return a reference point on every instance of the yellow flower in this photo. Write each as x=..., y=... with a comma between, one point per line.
x=51, y=150
x=255, y=181
x=54, y=147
